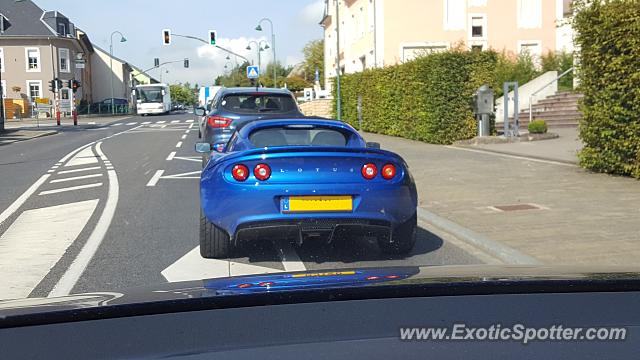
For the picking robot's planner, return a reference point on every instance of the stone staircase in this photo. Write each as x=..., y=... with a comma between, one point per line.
x=559, y=111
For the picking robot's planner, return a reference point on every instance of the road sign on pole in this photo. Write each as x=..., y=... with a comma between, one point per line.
x=253, y=72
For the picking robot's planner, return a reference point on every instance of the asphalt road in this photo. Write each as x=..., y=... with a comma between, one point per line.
x=115, y=205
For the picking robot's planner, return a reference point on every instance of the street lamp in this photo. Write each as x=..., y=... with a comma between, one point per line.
x=260, y=48
x=122, y=39
x=273, y=45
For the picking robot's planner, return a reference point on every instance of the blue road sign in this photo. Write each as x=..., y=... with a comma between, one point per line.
x=253, y=72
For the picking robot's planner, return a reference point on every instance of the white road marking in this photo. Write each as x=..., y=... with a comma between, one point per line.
x=183, y=137
x=186, y=175
x=171, y=155
x=28, y=250
x=132, y=123
x=190, y=126
x=179, y=144
x=71, y=188
x=76, y=178
x=175, y=121
x=20, y=200
x=160, y=122
x=192, y=266
x=84, y=157
x=118, y=124
x=189, y=121
x=80, y=263
x=155, y=178
x=289, y=257
x=91, y=123
x=187, y=131
x=79, y=170
x=189, y=158
x=511, y=156
x=146, y=123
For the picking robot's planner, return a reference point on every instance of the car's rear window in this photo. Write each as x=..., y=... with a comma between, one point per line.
x=282, y=136
x=258, y=103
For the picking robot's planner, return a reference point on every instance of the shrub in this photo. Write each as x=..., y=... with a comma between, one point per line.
x=538, y=127
x=607, y=34
x=426, y=99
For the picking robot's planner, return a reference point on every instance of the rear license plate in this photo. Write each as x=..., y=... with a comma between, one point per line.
x=316, y=203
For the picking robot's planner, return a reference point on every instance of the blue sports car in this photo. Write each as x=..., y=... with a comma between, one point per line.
x=303, y=179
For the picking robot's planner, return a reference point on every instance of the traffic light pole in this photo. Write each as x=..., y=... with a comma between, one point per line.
x=56, y=97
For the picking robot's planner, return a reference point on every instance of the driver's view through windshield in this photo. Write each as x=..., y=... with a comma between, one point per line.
x=301, y=145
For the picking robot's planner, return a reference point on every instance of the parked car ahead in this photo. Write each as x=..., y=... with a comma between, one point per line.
x=232, y=107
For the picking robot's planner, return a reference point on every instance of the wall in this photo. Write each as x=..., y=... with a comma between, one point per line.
x=101, y=77
x=321, y=107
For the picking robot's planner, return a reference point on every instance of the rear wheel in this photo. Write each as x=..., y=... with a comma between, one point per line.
x=214, y=242
x=403, y=238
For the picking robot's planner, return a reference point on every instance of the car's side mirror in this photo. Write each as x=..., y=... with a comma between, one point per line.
x=219, y=147
x=203, y=147
x=199, y=111
x=373, y=145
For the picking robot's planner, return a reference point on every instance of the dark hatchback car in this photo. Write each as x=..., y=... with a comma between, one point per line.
x=232, y=107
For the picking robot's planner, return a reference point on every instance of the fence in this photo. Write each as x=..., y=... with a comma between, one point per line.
x=102, y=109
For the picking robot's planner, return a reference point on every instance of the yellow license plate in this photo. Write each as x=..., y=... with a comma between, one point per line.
x=316, y=203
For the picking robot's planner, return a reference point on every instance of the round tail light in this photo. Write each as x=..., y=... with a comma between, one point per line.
x=369, y=171
x=240, y=172
x=388, y=171
x=262, y=172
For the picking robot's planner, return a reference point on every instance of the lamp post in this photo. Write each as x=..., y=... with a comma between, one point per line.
x=259, y=49
x=273, y=45
x=122, y=39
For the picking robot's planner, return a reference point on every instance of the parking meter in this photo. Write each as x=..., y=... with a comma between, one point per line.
x=483, y=108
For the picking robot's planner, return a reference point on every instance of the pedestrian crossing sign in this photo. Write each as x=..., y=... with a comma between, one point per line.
x=253, y=72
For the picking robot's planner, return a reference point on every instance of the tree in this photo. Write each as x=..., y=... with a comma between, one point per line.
x=182, y=94
x=296, y=83
x=266, y=74
x=313, y=59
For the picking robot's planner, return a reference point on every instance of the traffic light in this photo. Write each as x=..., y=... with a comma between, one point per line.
x=156, y=62
x=75, y=84
x=186, y=63
x=212, y=37
x=52, y=85
x=58, y=84
x=166, y=37
x=70, y=84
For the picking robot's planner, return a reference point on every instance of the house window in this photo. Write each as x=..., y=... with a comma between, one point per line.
x=532, y=48
x=412, y=51
x=62, y=29
x=454, y=14
x=32, y=59
x=34, y=88
x=529, y=14
x=477, y=27
x=63, y=55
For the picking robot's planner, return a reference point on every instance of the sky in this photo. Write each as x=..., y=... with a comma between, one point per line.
x=141, y=22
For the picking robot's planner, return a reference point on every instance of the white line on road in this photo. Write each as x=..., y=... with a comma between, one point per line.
x=132, y=123
x=187, y=131
x=289, y=257
x=19, y=201
x=29, y=249
x=73, y=273
x=84, y=157
x=76, y=178
x=146, y=123
x=118, y=124
x=186, y=175
x=190, y=158
x=71, y=188
x=190, y=121
x=155, y=178
x=190, y=126
x=79, y=170
x=179, y=144
x=160, y=122
x=171, y=155
x=175, y=121
x=183, y=137
x=91, y=123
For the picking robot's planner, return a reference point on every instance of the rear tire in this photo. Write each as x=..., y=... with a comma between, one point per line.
x=404, y=238
x=214, y=242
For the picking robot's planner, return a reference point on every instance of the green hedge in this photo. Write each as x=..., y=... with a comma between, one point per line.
x=607, y=34
x=427, y=99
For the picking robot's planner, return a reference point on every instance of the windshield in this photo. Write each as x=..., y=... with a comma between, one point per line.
x=150, y=95
x=341, y=135
x=256, y=103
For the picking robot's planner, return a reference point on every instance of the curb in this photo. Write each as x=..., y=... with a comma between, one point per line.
x=519, y=155
x=42, y=134
x=500, y=251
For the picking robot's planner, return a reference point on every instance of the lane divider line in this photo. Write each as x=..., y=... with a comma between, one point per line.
x=189, y=121
x=184, y=137
x=171, y=155
x=179, y=144
x=71, y=188
x=76, y=269
x=155, y=178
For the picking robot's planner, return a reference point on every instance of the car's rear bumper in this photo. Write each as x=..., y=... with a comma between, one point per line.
x=242, y=209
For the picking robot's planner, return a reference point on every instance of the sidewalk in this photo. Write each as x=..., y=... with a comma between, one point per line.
x=28, y=123
x=581, y=217
x=563, y=149
x=14, y=135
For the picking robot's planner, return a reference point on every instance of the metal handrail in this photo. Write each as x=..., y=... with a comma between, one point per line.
x=542, y=88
